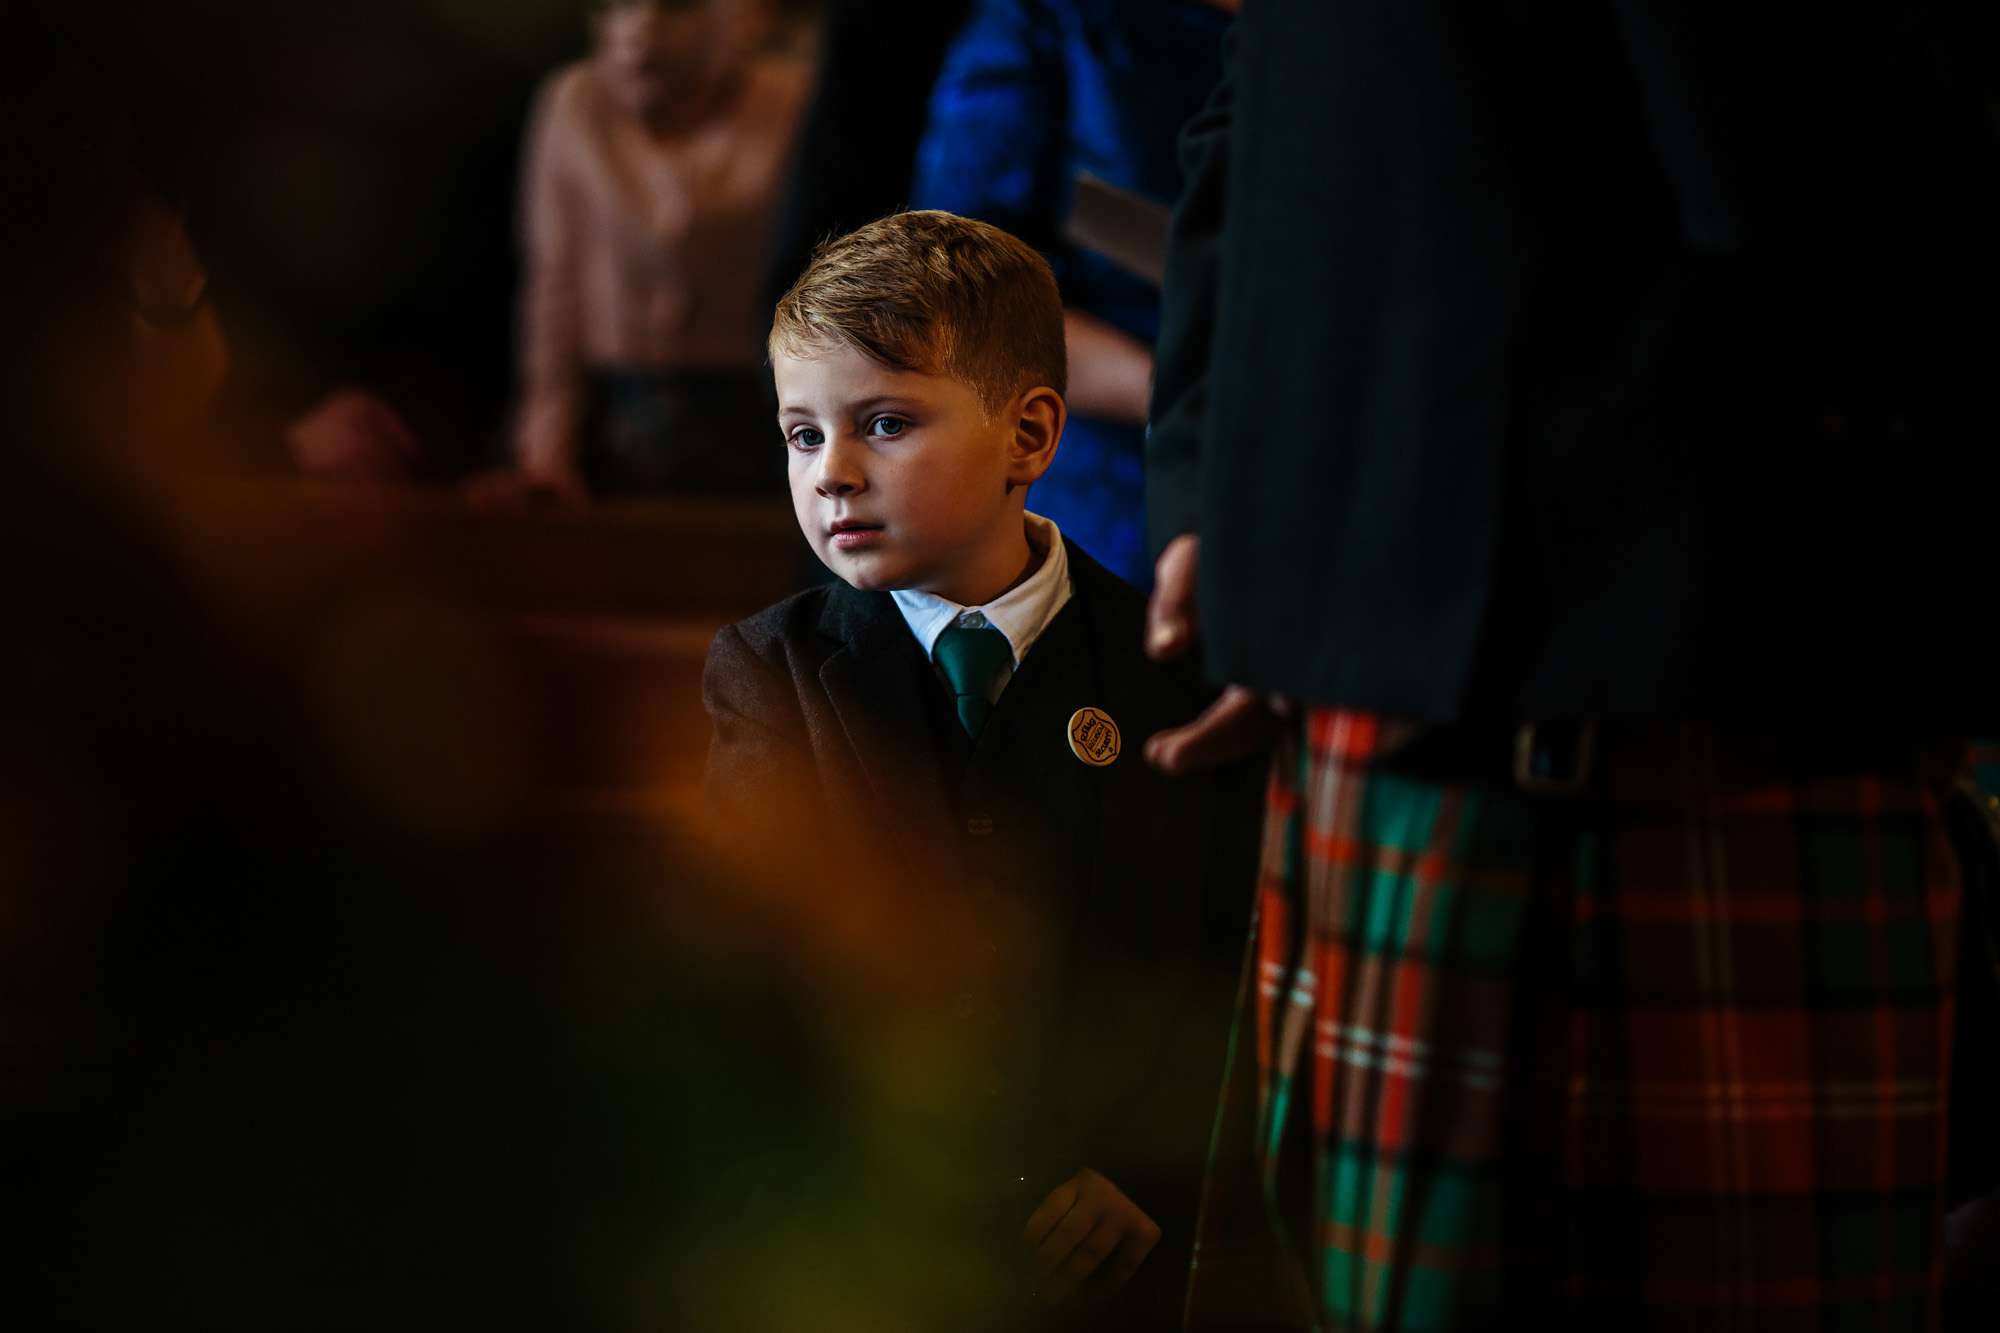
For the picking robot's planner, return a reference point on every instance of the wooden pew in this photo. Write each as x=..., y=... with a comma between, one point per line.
x=562, y=648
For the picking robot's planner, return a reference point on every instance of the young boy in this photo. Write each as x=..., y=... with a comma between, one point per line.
x=962, y=715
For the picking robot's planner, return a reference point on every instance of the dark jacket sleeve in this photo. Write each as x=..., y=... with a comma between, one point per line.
x=1179, y=415
x=1844, y=208
x=759, y=762
x=1769, y=163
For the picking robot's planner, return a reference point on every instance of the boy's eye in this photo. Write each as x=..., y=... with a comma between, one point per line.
x=805, y=437
x=888, y=427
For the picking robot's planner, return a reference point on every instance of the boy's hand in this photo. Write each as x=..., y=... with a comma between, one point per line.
x=1235, y=726
x=1086, y=1226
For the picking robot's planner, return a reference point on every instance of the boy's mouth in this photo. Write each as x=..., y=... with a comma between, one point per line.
x=849, y=534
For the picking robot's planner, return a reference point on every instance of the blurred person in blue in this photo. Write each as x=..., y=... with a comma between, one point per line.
x=1033, y=93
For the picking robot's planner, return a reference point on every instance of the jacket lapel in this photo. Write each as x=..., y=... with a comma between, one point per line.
x=1123, y=787
x=1026, y=746
x=876, y=683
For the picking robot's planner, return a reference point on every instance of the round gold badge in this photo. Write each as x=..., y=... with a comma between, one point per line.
x=1093, y=736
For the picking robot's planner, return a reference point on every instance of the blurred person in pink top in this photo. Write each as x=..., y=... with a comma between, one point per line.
x=647, y=187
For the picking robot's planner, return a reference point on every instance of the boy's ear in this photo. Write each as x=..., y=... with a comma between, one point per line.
x=1038, y=426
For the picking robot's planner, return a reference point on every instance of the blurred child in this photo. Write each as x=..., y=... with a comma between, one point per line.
x=649, y=172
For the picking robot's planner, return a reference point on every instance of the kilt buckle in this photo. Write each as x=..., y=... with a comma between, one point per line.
x=1554, y=758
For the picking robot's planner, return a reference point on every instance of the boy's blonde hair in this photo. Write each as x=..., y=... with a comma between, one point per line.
x=935, y=293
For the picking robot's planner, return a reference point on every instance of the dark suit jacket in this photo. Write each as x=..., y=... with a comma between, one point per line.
x=1108, y=1021
x=1625, y=359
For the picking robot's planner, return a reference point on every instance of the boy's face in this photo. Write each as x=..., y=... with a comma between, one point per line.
x=903, y=480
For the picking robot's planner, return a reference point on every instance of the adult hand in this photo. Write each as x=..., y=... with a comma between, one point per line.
x=1086, y=1227
x=1110, y=371
x=1240, y=722
x=1170, y=612
x=352, y=434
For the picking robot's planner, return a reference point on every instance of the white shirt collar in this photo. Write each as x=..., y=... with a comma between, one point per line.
x=1022, y=613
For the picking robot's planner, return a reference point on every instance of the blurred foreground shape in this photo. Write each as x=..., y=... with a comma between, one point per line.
x=595, y=624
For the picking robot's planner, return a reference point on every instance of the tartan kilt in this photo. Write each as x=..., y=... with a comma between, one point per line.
x=1675, y=1055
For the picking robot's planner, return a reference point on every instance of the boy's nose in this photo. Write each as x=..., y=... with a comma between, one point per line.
x=838, y=474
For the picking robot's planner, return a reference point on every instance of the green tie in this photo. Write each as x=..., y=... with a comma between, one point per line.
x=972, y=661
